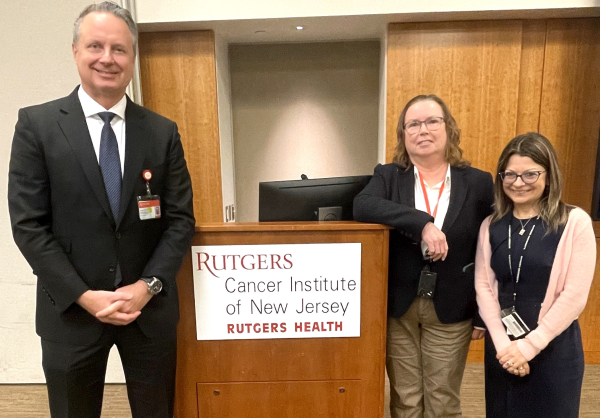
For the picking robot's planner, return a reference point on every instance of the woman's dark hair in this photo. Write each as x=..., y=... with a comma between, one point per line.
x=537, y=147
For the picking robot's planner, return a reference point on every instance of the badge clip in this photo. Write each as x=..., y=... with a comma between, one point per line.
x=147, y=175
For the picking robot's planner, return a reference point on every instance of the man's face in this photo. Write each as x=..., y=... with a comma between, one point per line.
x=104, y=56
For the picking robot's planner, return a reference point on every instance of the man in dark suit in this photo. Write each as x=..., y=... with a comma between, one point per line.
x=100, y=202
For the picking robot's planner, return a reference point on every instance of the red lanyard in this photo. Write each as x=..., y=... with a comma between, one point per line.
x=427, y=199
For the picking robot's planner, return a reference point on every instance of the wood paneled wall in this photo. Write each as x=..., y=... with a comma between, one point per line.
x=179, y=82
x=503, y=78
x=473, y=66
x=570, y=106
x=590, y=319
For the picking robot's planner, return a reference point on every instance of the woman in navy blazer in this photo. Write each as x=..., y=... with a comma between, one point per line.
x=435, y=202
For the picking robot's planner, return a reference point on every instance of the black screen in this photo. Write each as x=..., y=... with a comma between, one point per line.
x=300, y=200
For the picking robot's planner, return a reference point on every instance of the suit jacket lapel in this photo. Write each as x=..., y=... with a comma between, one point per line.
x=406, y=186
x=458, y=194
x=136, y=143
x=73, y=125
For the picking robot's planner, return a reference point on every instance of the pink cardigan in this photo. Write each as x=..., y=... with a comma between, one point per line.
x=568, y=289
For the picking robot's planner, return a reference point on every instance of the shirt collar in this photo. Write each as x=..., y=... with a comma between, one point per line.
x=91, y=107
x=447, y=180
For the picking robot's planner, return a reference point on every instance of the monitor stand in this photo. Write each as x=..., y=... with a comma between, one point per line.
x=330, y=213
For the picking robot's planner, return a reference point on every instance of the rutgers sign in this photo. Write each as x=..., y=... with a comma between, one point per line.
x=277, y=291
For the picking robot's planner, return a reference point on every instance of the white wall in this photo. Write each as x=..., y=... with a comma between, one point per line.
x=37, y=66
x=302, y=109
x=205, y=10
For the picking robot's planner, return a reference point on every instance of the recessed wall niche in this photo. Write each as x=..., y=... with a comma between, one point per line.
x=309, y=108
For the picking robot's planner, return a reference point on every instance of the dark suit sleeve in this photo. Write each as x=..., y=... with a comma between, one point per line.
x=487, y=188
x=178, y=209
x=29, y=204
x=374, y=204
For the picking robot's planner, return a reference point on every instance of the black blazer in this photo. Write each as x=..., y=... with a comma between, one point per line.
x=63, y=225
x=389, y=198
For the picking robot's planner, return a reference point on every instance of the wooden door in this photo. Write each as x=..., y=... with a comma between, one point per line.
x=179, y=82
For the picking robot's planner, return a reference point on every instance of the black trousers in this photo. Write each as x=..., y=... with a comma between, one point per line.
x=75, y=374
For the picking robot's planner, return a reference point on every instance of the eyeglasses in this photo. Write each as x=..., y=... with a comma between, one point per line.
x=432, y=123
x=528, y=177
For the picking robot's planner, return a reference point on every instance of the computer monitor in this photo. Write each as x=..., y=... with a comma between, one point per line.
x=326, y=199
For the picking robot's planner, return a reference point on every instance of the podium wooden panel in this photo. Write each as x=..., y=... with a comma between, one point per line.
x=287, y=378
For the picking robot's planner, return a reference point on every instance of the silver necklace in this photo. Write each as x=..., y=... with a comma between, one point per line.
x=522, y=231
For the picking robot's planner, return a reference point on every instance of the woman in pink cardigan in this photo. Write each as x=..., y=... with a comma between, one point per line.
x=534, y=267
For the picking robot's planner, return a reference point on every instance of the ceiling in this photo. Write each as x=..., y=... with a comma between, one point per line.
x=338, y=28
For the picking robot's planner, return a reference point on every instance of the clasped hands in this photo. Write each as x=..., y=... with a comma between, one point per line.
x=513, y=361
x=120, y=307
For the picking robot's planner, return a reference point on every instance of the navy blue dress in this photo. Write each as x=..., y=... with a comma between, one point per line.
x=553, y=387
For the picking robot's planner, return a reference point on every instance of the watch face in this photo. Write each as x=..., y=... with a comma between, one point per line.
x=154, y=285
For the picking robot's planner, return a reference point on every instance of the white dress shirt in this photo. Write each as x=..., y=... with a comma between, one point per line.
x=91, y=108
x=433, y=192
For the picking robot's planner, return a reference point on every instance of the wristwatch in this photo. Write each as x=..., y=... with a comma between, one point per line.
x=154, y=285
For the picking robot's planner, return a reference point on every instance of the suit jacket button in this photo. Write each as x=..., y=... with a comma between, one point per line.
x=111, y=269
x=118, y=235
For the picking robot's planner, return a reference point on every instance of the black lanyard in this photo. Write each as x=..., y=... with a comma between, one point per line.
x=516, y=280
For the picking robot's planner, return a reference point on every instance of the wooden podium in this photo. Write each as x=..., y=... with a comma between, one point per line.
x=287, y=378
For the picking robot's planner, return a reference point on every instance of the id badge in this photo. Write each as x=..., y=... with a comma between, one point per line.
x=427, y=284
x=149, y=207
x=514, y=323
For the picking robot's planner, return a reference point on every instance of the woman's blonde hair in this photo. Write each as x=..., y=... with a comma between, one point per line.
x=453, y=151
x=537, y=147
